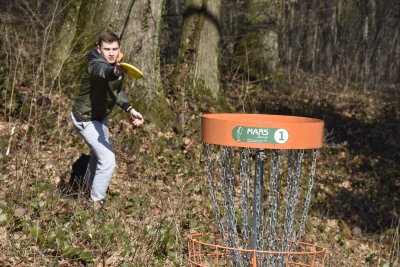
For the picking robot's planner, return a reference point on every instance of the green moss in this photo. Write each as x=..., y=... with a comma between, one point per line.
x=207, y=102
x=156, y=110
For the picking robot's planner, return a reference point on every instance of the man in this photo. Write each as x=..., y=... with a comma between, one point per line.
x=100, y=90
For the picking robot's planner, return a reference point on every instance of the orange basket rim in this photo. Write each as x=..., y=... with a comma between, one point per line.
x=256, y=117
x=262, y=131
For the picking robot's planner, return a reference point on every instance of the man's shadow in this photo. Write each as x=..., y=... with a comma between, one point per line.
x=77, y=177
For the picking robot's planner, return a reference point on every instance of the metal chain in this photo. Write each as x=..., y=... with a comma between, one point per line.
x=209, y=170
x=296, y=187
x=307, y=201
x=244, y=194
x=252, y=200
x=289, y=189
x=274, y=199
x=290, y=221
x=280, y=259
x=225, y=161
x=230, y=170
x=258, y=200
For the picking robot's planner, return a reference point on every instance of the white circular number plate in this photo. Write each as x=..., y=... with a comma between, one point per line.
x=281, y=136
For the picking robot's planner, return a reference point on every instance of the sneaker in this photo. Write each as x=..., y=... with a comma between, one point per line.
x=98, y=205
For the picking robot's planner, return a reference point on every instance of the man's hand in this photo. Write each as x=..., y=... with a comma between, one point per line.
x=137, y=118
x=118, y=70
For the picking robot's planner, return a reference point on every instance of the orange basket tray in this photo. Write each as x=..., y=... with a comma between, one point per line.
x=204, y=253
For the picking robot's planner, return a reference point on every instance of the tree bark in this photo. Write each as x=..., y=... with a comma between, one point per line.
x=257, y=52
x=336, y=26
x=141, y=45
x=66, y=39
x=198, y=57
x=206, y=72
x=365, y=66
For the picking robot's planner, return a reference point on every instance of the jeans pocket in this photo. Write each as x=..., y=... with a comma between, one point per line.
x=79, y=125
x=83, y=124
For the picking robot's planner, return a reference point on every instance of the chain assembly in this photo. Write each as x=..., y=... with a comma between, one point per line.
x=255, y=208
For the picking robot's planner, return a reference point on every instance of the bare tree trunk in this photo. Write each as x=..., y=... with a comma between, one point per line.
x=206, y=72
x=376, y=42
x=190, y=32
x=257, y=52
x=290, y=17
x=315, y=39
x=141, y=41
x=336, y=25
x=389, y=69
x=328, y=35
x=314, y=53
x=300, y=34
x=365, y=44
x=66, y=39
x=198, y=57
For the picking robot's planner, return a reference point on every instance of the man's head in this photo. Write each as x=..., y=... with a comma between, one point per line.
x=108, y=45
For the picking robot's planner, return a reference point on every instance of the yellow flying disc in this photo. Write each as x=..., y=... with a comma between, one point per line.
x=131, y=71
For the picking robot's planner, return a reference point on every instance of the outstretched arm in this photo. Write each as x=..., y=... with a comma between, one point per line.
x=101, y=70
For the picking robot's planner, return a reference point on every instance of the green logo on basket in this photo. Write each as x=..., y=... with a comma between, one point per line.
x=260, y=135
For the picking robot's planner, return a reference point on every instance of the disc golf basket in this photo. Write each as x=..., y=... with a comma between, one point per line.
x=261, y=170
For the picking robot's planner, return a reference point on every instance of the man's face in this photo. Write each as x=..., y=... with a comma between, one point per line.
x=110, y=51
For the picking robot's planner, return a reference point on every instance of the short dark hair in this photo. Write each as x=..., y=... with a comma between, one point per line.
x=108, y=37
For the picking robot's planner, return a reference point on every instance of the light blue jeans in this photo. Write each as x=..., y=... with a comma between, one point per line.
x=102, y=157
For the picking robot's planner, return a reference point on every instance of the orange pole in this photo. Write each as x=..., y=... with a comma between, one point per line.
x=254, y=260
x=190, y=252
x=217, y=256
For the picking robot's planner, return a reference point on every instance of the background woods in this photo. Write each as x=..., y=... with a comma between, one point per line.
x=335, y=60
x=347, y=40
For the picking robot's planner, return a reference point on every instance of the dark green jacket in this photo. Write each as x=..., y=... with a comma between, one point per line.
x=100, y=90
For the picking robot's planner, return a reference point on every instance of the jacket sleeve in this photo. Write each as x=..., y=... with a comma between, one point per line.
x=122, y=100
x=101, y=70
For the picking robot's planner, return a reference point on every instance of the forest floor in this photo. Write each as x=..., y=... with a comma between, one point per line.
x=159, y=193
